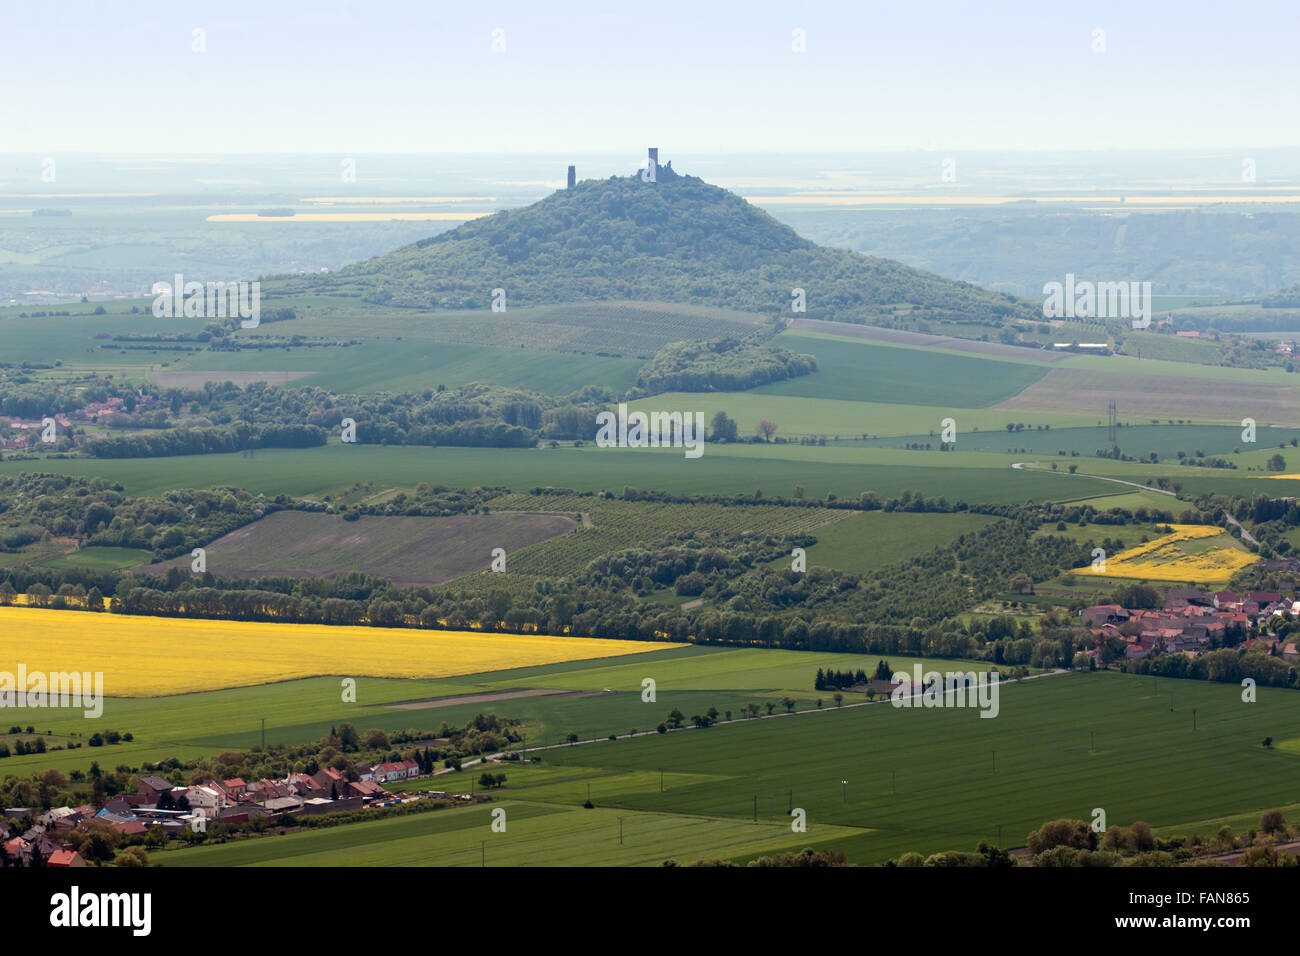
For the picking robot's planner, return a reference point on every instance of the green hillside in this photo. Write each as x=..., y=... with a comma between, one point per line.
x=678, y=239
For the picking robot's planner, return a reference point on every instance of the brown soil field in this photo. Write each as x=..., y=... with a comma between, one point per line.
x=1158, y=396
x=408, y=550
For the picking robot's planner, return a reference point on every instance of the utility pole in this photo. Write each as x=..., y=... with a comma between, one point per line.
x=844, y=786
x=995, y=761
x=263, y=733
x=1193, y=718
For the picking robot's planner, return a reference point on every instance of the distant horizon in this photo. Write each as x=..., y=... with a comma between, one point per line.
x=158, y=154
x=143, y=76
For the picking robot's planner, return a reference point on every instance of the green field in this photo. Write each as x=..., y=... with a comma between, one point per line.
x=868, y=540
x=723, y=469
x=691, y=678
x=102, y=559
x=536, y=835
x=867, y=372
x=875, y=781
x=413, y=365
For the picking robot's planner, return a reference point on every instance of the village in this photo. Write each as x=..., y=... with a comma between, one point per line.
x=1191, y=622
x=20, y=434
x=52, y=835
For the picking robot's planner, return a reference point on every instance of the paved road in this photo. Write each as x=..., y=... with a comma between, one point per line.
x=1020, y=465
x=496, y=758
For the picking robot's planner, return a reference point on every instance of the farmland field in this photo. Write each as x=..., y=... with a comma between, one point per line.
x=615, y=525
x=144, y=656
x=536, y=835
x=590, y=697
x=859, y=371
x=405, y=549
x=899, y=769
x=864, y=542
x=1158, y=396
x=413, y=364
x=1198, y=553
x=722, y=470
x=102, y=558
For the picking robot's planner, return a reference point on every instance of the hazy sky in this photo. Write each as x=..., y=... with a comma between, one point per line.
x=352, y=78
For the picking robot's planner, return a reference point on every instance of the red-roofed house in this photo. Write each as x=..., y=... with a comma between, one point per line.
x=366, y=789
x=65, y=858
x=19, y=850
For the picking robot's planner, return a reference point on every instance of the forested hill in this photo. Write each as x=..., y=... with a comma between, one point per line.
x=679, y=240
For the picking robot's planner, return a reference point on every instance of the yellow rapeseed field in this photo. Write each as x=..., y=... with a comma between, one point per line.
x=150, y=656
x=1164, y=558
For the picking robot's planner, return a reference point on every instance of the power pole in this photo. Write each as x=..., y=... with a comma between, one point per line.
x=263, y=733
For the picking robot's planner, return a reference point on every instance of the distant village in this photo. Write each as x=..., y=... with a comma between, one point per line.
x=1193, y=621
x=176, y=809
x=25, y=434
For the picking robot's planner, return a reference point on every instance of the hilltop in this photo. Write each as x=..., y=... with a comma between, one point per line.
x=678, y=240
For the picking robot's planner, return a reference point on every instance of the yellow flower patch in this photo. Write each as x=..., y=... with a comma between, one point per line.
x=1164, y=559
x=151, y=656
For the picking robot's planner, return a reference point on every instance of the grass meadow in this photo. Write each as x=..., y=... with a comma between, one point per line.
x=875, y=781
